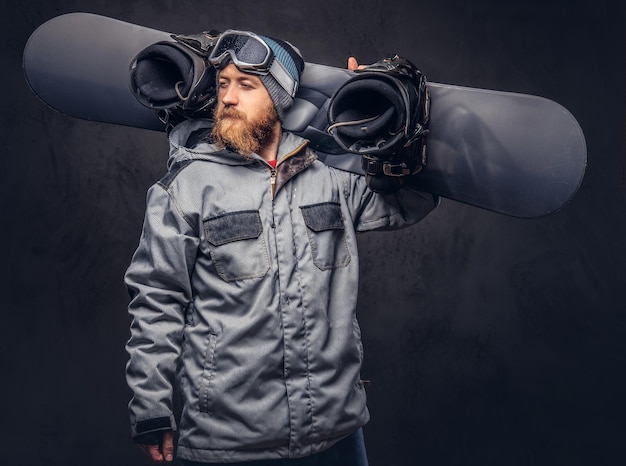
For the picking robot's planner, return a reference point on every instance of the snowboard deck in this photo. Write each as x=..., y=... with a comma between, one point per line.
x=515, y=154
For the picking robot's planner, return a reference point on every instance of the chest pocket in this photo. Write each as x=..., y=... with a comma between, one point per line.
x=327, y=236
x=237, y=246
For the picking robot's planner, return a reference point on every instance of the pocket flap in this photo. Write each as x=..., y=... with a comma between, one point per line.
x=325, y=216
x=234, y=226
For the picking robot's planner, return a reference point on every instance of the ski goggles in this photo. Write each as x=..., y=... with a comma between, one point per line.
x=250, y=53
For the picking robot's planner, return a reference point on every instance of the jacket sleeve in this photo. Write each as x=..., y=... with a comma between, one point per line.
x=375, y=211
x=158, y=281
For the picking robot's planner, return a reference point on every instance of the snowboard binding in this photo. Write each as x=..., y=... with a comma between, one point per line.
x=175, y=78
x=382, y=113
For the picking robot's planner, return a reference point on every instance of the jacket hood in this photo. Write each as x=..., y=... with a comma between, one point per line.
x=180, y=150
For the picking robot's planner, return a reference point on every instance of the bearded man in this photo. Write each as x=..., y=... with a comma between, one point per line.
x=244, y=284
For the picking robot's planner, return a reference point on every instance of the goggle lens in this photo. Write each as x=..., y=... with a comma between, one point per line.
x=244, y=49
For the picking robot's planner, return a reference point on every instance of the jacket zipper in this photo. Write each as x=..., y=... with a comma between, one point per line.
x=273, y=180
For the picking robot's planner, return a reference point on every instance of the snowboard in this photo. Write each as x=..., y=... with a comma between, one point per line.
x=515, y=154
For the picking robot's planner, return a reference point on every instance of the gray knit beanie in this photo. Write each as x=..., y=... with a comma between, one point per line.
x=292, y=61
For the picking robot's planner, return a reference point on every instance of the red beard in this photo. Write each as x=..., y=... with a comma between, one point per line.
x=234, y=130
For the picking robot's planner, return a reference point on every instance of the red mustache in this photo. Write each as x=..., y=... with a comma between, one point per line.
x=230, y=112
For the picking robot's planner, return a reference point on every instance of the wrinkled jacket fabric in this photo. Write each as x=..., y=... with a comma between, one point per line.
x=243, y=295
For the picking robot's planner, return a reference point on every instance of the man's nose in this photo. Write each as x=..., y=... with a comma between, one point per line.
x=230, y=97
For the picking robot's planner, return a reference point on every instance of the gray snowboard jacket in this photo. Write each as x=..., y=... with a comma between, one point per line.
x=243, y=296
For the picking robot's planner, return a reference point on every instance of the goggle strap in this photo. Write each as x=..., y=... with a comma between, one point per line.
x=283, y=77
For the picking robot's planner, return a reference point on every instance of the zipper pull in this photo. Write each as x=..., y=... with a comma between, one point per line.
x=273, y=181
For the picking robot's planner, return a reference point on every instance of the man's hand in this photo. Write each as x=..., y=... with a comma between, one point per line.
x=162, y=452
x=354, y=65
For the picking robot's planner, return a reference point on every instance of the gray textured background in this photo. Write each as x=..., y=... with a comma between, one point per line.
x=489, y=340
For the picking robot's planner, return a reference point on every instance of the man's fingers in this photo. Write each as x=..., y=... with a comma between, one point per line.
x=162, y=452
x=352, y=64
x=153, y=451
x=168, y=446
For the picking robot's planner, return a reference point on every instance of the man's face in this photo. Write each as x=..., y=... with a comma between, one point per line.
x=245, y=117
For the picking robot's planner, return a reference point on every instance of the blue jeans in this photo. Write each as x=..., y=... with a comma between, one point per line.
x=349, y=452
